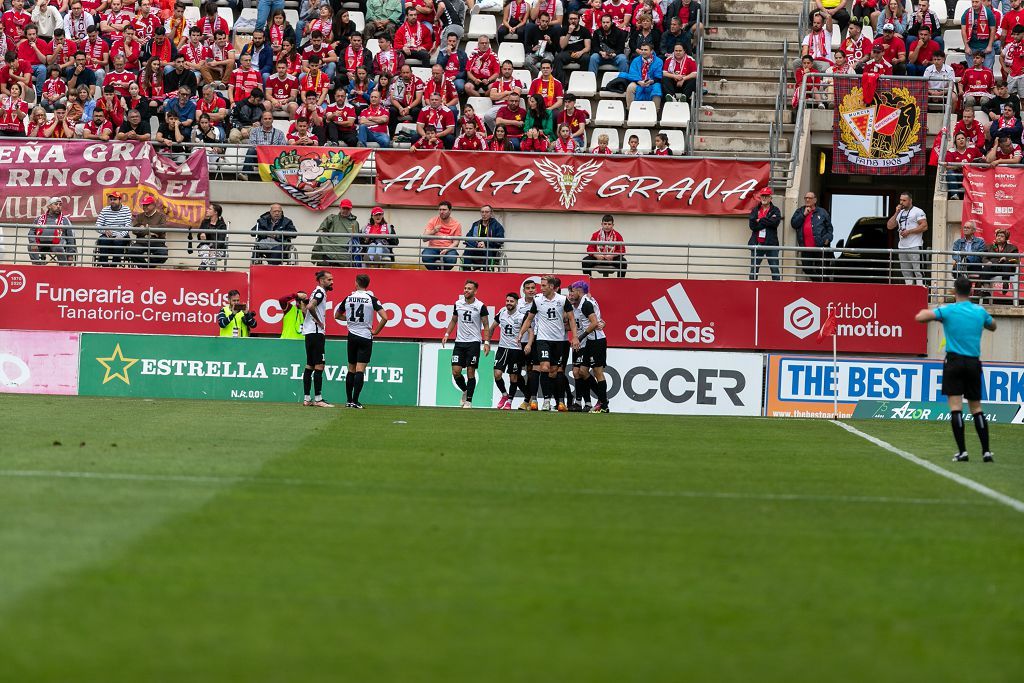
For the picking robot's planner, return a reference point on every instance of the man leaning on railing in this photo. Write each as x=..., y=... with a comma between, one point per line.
x=52, y=235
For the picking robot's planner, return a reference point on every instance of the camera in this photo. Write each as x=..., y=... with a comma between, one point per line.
x=239, y=307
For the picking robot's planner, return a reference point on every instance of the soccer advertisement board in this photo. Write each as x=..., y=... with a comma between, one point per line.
x=225, y=368
x=653, y=382
x=418, y=302
x=777, y=316
x=39, y=362
x=804, y=386
x=134, y=300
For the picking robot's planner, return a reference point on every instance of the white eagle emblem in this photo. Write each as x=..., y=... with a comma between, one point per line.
x=568, y=180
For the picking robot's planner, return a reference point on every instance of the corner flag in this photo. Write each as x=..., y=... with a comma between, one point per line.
x=828, y=328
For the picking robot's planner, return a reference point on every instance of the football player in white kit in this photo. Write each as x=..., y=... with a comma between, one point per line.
x=552, y=311
x=315, y=336
x=469, y=315
x=358, y=311
x=531, y=363
x=591, y=328
x=509, y=358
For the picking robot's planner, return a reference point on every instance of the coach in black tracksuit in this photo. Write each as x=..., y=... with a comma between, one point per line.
x=764, y=234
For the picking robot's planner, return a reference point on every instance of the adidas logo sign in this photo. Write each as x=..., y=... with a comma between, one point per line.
x=671, y=318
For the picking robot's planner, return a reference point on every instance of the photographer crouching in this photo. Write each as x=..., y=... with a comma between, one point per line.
x=235, y=319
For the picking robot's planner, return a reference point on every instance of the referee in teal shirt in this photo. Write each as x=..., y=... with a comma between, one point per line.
x=963, y=323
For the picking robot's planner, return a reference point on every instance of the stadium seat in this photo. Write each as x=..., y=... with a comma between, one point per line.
x=941, y=11
x=613, y=137
x=480, y=104
x=585, y=105
x=482, y=25
x=409, y=127
x=292, y=15
x=837, y=36
x=675, y=115
x=607, y=78
x=609, y=113
x=645, y=139
x=961, y=7
x=514, y=52
x=246, y=23
x=676, y=140
x=357, y=18
x=350, y=5
x=868, y=33
x=226, y=14
x=954, y=39
x=192, y=14
x=524, y=76
x=283, y=125
x=421, y=72
x=642, y=115
x=582, y=84
x=373, y=45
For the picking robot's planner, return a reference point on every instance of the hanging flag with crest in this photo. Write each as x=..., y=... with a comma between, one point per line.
x=880, y=127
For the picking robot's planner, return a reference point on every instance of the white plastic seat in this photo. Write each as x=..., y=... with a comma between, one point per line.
x=953, y=39
x=411, y=127
x=837, y=36
x=940, y=9
x=246, y=21
x=283, y=125
x=514, y=52
x=642, y=115
x=607, y=78
x=524, y=76
x=582, y=84
x=645, y=139
x=585, y=105
x=358, y=19
x=226, y=14
x=958, y=12
x=675, y=115
x=482, y=25
x=481, y=105
x=192, y=14
x=613, y=137
x=422, y=73
x=868, y=33
x=292, y=16
x=609, y=113
x=676, y=140
x=373, y=45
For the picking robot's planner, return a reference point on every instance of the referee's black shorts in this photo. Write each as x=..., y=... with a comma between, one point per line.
x=359, y=349
x=315, y=346
x=961, y=376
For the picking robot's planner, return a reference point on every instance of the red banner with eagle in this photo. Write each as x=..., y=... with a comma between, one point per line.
x=880, y=126
x=560, y=182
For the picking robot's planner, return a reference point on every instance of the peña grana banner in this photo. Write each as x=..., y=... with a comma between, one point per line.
x=225, y=368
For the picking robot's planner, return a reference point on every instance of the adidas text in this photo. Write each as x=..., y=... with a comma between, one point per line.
x=676, y=333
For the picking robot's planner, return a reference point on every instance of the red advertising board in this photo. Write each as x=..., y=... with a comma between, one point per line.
x=114, y=299
x=730, y=314
x=418, y=302
x=83, y=173
x=557, y=182
x=993, y=199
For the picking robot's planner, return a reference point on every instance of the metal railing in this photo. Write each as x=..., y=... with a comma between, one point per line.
x=698, y=92
x=240, y=248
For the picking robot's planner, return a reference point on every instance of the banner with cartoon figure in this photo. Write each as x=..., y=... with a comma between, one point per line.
x=879, y=126
x=316, y=177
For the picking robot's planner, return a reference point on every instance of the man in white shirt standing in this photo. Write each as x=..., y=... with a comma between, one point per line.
x=912, y=223
x=939, y=75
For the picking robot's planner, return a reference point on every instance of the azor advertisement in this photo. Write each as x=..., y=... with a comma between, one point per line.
x=225, y=368
x=741, y=314
x=560, y=182
x=39, y=362
x=149, y=301
x=804, y=386
x=418, y=302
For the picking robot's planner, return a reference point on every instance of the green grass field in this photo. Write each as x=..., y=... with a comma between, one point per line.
x=178, y=541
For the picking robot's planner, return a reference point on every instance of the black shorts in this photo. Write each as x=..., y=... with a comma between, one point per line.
x=315, y=345
x=579, y=357
x=554, y=352
x=359, y=349
x=531, y=358
x=466, y=354
x=509, y=360
x=961, y=376
x=597, y=353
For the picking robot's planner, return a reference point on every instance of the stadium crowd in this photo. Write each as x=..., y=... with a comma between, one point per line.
x=109, y=69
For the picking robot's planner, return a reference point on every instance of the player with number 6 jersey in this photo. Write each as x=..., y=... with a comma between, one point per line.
x=469, y=318
x=509, y=357
x=359, y=311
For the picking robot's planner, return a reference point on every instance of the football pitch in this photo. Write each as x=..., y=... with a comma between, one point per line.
x=193, y=541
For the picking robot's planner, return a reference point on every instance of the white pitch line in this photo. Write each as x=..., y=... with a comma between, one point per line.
x=711, y=495
x=941, y=471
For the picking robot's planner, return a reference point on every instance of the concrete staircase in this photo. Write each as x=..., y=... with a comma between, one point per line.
x=742, y=56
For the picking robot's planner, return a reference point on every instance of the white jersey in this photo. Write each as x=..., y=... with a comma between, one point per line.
x=524, y=308
x=509, y=324
x=359, y=307
x=549, y=316
x=469, y=316
x=581, y=319
x=318, y=304
x=592, y=308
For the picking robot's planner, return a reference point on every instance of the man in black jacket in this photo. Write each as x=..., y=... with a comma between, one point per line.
x=813, y=229
x=608, y=47
x=274, y=233
x=245, y=115
x=764, y=234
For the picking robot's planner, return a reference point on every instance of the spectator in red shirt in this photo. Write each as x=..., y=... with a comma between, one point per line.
x=894, y=50
x=243, y=80
x=679, y=76
x=441, y=85
x=962, y=153
x=15, y=20
x=99, y=128
x=977, y=81
x=282, y=90
x=35, y=52
x=482, y=69
x=499, y=142
x=575, y=118
x=606, y=258
x=373, y=123
x=548, y=87
x=413, y=39
x=471, y=139
x=856, y=46
x=428, y=140
x=661, y=148
x=119, y=78
x=602, y=145
x=13, y=112
x=440, y=118
x=129, y=46
x=971, y=128
x=876, y=64
x=59, y=128
x=14, y=71
x=920, y=56
x=302, y=135
x=340, y=118
x=511, y=117
x=1012, y=59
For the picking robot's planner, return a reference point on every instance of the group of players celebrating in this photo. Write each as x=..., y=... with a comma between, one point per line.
x=536, y=334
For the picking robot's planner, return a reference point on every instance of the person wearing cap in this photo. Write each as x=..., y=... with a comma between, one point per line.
x=876, y=63
x=113, y=223
x=978, y=29
x=894, y=50
x=52, y=234
x=150, y=229
x=483, y=241
x=336, y=233
x=764, y=223
x=377, y=241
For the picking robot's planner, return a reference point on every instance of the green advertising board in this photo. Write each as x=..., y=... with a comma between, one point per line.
x=927, y=411
x=228, y=368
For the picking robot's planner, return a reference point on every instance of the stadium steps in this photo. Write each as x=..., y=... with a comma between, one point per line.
x=739, y=146
x=744, y=34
